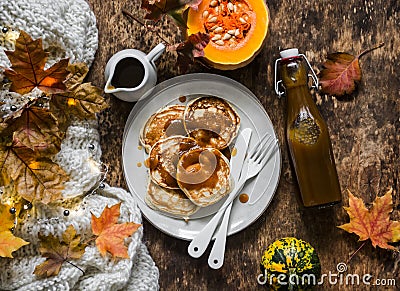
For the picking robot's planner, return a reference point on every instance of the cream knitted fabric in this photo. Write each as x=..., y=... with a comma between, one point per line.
x=68, y=29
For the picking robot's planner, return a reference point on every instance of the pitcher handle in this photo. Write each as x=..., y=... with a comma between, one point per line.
x=156, y=52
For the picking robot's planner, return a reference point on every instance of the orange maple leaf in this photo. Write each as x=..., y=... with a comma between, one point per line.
x=373, y=224
x=27, y=70
x=110, y=234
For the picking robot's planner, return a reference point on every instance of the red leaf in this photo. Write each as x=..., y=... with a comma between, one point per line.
x=157, y=8
x=199, y=41
x=190, y=49
x=341, y=72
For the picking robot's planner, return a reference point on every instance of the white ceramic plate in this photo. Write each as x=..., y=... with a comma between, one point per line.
x=253, y=115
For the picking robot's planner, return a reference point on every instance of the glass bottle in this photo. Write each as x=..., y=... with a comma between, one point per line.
x=307, y=133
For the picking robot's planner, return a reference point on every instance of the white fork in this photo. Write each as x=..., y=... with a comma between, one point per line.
x=216, y=258
x=254, y=162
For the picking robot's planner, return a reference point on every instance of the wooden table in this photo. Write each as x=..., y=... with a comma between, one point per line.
x=364, y=131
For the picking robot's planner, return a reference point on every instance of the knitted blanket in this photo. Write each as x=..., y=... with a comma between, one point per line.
x=68, y=29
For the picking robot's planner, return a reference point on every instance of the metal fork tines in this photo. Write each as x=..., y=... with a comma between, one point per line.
x=260, y=154
x=258, y=157
x=255, y=161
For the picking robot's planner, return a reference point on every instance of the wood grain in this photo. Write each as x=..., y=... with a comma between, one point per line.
x=364, y=129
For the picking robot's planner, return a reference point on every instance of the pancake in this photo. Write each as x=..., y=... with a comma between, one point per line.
x=204, y=176
x=167, y=121
x=164, y=157
x=212, y=122
x=168, y=200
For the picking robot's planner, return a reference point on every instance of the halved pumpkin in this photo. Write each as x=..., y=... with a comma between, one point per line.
x=237, y=30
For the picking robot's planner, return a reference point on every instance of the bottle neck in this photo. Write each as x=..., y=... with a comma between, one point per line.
x=295, y=80
x=293, y=73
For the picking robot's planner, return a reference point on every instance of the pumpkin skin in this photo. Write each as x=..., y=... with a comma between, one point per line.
x=290, y=256
x=250, y=22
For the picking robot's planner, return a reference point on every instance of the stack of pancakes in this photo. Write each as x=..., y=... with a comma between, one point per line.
x=184, y=143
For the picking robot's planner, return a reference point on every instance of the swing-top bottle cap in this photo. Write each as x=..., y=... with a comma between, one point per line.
x=289, y=53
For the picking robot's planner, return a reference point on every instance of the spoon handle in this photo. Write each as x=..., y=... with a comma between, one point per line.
x=200, y=242
x=216, y=258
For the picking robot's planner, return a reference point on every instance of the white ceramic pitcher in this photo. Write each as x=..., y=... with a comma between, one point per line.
x=148, y=73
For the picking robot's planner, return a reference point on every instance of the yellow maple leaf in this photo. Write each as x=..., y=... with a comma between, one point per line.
x=375, y=223
x=6, y=218
x=8, y=242
x=110, y=233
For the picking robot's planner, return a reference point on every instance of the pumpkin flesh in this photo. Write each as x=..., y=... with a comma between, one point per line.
x=237, y=30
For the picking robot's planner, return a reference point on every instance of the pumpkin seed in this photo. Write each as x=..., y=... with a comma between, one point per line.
x=230, y=6
x=227, y=36
x=218, y=29
x=213, y=3
x=216, y=9
x=220, y=42
x=205, y=13
x=214, y=27
x=234, y=8
x=237, y=32
x=216, y=37
x=241, y=19
x=213, y=19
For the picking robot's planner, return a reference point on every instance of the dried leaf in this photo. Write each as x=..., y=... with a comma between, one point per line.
x=36, y=177
x=84, y=101
x=57, y=252
x=193, y=4
x=3, y=126
x=77, y=73
x=190, y=49
x=373, y=224
x=8, y=242
x=36, y=129
x=27, y=70
x=31, y=135
x=157, y=8
x=80, y=100
x=110, y=234
x=341, y=72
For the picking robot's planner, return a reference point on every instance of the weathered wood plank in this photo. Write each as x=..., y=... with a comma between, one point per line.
x=365, y=132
